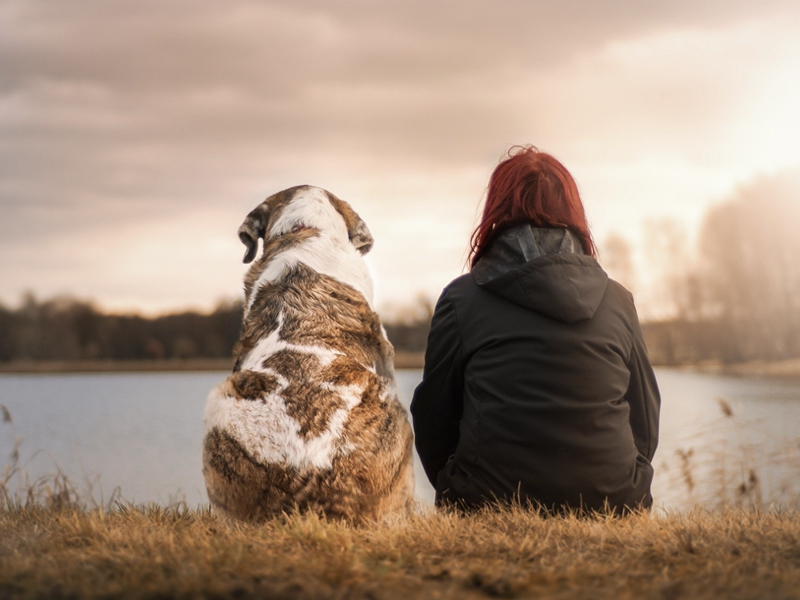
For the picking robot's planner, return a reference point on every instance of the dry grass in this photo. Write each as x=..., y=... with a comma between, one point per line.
x=158, y=552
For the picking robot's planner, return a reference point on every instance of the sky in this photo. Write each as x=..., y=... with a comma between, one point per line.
x=136, y=135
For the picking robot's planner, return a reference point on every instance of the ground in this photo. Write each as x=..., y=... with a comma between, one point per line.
x=157, y=552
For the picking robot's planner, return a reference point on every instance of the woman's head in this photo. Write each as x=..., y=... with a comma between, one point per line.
x=530, y=187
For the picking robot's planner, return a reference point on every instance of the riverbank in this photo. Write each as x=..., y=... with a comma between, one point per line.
x=787, y=369
x=179, y=553
x=403, y=360
x=119, y=366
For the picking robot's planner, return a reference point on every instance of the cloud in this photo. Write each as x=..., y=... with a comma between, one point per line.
x=128, y=118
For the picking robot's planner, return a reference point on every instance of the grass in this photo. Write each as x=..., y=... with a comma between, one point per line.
x=733, y=464
x=157, y=552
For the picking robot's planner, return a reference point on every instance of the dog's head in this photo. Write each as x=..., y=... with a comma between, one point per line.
x=298, y=209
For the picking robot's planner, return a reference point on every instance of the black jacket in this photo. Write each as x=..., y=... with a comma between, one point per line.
x=537, y=385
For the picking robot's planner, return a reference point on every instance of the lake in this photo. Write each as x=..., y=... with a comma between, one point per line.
x=723, y=439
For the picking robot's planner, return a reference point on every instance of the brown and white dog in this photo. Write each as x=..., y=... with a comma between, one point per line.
x=309, y=420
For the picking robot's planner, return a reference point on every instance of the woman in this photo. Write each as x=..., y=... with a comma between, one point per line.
x=537, y=386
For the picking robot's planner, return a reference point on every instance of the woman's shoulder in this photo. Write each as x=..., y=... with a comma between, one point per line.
x=620, y=293
x=456, y=296
x=459, y=284
x=462, y=289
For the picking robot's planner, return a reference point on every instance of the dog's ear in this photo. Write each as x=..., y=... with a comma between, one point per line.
x=360, y=236
x=357, y=230
x=255, y=225
x=252, y=229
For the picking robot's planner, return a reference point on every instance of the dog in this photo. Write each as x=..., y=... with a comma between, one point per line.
x=309, y=420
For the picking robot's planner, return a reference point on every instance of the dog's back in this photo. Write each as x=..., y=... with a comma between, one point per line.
x=309, y=419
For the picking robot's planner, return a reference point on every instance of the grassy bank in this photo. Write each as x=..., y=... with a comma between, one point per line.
x=789, y=369
x=177, y=553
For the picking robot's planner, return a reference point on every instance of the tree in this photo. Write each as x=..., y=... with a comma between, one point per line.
x=750, y=246
x=617, y=258
x=677, y=293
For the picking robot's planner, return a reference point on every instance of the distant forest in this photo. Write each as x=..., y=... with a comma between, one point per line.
x=69, y=329
x=64, y=329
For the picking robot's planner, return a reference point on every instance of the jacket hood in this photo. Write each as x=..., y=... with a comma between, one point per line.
x=544, y=270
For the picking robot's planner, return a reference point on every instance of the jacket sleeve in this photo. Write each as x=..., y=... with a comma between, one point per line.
x=643, y=397
x=438, y=401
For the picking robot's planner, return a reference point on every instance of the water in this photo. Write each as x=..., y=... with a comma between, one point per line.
x=143, y=433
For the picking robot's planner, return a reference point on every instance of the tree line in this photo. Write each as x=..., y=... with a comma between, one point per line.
x=69, y=329
x=64, y=329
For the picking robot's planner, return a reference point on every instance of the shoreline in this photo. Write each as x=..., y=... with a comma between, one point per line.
x=403, y=360
x=22, y=367
x=783, y=369
x=779, y=369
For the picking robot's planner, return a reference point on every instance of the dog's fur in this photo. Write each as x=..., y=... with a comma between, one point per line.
x=309, y=420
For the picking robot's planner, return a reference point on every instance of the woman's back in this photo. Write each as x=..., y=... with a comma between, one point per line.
x=537, y=385
x=555, y=404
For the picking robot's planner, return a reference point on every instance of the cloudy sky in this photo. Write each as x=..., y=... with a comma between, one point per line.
x=135, y=135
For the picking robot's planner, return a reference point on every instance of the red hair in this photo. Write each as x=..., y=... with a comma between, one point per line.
x=530, y=187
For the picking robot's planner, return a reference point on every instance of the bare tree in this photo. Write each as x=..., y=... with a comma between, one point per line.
x=750, y=246
x=676, y=293
x=617, y=258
